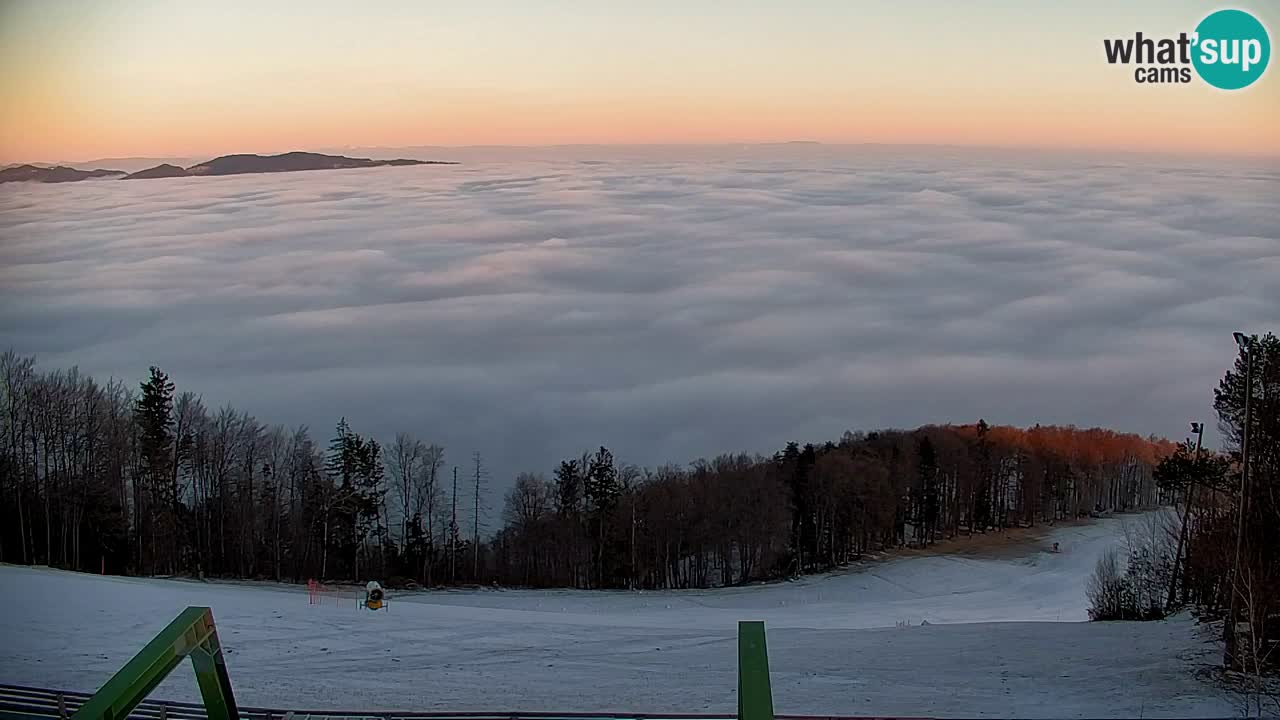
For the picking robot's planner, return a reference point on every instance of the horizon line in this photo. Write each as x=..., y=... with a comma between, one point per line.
x=1092, y=149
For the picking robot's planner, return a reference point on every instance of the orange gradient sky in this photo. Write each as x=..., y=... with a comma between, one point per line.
x=120, y=78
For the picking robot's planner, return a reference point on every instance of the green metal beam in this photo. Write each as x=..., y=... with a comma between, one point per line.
x=755, y=698
x=191, y=633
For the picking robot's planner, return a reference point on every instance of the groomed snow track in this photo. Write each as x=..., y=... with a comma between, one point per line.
x=1005, y=635
x=20, y=702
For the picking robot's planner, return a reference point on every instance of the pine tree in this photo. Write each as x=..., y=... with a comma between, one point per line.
x=569, y=488
x=602, y=485
x=354, y=467
x=602, y=491
x=927, y=489
x=368, y=496
x=982, y=517
x=341, y=462
x=153, y=413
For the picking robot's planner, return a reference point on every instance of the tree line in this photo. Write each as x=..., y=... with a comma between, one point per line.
x=109, y=478
x=105, y=478
x=1224, y=546
x=805, y=509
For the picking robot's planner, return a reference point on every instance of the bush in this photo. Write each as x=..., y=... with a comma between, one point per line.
x=1107, y=590
x=1138, y=592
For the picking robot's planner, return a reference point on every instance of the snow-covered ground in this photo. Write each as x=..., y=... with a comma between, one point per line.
x=1004, y=638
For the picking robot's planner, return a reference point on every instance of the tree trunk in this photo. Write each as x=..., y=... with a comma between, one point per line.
x=22, y=526
x=1182, y=539
x=324, y=549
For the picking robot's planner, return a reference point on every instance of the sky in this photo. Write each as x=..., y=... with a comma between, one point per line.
x=123, y=78
x=669, y=303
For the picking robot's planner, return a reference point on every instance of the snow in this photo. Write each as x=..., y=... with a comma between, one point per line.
x=1004, y=637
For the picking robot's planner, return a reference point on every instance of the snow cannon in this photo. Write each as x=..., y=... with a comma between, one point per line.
x=374, y=597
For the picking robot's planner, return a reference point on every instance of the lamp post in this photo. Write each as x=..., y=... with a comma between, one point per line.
x=1229, y=627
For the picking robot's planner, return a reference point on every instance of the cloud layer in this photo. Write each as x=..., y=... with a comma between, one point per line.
x=666, y=303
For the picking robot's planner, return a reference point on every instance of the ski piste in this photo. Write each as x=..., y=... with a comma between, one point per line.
x=194, y=635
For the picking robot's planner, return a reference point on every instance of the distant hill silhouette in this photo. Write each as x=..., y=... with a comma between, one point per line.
x=225, y=165
x=164, y=170
x=130, y=164
x=292, y=162
x=55, y=174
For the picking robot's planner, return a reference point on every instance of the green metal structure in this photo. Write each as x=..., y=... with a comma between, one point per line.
x=755, y=698
x=192, y=634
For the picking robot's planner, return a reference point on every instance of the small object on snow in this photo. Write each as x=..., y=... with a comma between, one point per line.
x=374, y=597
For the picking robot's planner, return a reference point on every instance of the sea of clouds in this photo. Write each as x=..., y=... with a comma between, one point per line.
x=668, y=303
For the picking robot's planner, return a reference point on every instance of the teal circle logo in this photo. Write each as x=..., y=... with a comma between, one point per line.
x=1231, y=49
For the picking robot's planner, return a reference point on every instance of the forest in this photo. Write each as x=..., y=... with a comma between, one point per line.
x=1222, y=555
x=1218, y=553
x=105, y=477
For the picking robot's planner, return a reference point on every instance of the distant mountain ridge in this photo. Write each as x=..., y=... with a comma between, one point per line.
x=163, y=170
x=54, y=174
x=292, y=162
x=238, y=164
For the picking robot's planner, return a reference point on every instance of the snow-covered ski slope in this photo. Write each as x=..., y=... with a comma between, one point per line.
x=1003, y=638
